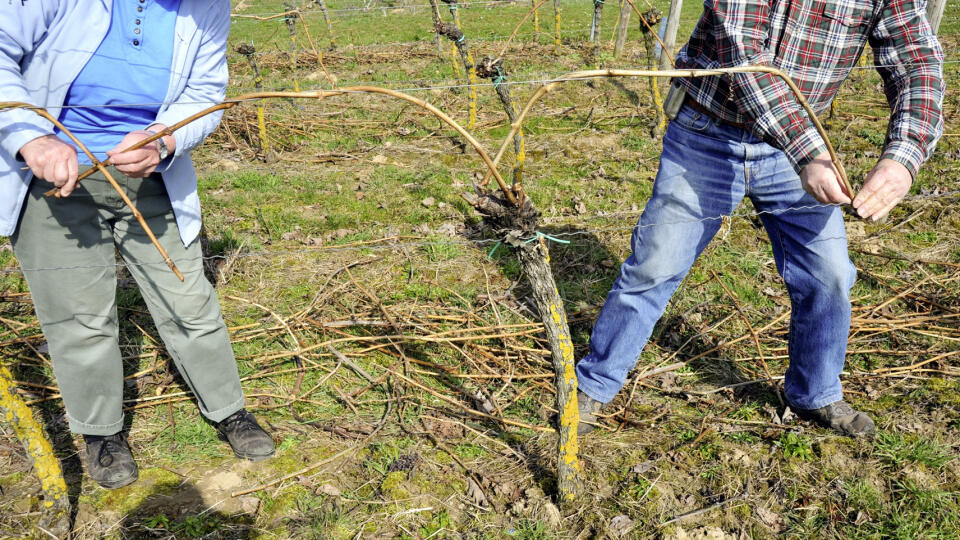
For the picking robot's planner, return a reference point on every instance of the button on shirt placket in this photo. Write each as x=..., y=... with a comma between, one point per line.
x=138, y=36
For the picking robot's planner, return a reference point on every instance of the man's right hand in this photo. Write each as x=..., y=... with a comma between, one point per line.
x=820, y=179
x=53, y=160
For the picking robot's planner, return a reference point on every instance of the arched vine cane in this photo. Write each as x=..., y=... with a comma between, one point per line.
x=102, y=167
x=606, y=73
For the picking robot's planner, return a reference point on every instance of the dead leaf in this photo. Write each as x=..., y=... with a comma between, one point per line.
x=447, y=229
x=769, y=518
x=328, y=489
x=620, y=526
x=428, y=202
x=553, y=514
x=476, y=494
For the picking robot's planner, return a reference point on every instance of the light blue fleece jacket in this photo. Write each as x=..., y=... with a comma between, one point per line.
x=43, y=46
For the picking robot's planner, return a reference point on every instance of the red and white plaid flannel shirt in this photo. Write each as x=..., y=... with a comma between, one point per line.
x=817, y=42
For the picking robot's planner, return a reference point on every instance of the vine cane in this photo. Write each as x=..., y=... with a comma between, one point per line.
x=318, y=95
x=98, y=165
x=600, y=73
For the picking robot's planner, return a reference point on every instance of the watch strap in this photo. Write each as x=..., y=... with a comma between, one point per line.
x=162, y=148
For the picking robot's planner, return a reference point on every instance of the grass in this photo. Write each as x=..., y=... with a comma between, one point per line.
x=357, y=169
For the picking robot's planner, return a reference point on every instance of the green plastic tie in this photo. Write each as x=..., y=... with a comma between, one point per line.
x=492, y=251
x=548, y=237
x=499, y=79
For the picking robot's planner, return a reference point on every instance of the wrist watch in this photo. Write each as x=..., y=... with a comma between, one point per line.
x=161, y=146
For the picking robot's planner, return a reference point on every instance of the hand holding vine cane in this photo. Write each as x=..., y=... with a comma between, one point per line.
x=820, y=179
x=142, y=161
x=886, y=185
x=53, y=160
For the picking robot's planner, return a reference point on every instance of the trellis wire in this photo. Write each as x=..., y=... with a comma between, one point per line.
x=538, y=80
x=385, y=244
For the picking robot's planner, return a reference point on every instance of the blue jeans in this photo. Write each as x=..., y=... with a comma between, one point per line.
x=705, y=170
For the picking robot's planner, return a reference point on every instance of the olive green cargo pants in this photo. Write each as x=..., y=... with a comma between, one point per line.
x=67, y=250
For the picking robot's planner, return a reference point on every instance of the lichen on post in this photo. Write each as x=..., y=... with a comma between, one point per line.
x=556, y=27
x=453, y=32
x=248, y=50
x=517, y=225
x=15, y=413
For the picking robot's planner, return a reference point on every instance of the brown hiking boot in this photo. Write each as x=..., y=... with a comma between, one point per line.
x=840, y=416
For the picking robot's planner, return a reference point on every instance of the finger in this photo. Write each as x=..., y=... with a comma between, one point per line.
x=68, y=187
x=877, y=214
x=125, y=158
x=880, y=199
x=883, y=212
x=73, y=169
x=135, y=170
x=868, y=190
x=833, y=194
x=47, y=173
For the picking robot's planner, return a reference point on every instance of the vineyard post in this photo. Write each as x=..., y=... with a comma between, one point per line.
x=623, y=25
x=595, y=25
x=453, y=32
x=326, y=18
x=493, y=69
x=670, y=36
x=248, y=50
x=536, y=21
x=935, y=13
x=652, y=17
x=517, y=225
x=556, y=27
x=291, y=21
x=435, y=13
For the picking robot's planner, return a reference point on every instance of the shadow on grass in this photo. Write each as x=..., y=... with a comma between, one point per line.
x=585, y=270
x=177, y=509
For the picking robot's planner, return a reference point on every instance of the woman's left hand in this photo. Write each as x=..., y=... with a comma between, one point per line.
x=139, y=163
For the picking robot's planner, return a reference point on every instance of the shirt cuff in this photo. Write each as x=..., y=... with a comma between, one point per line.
x=13, y=141
x=801, y=150
x=905, y=152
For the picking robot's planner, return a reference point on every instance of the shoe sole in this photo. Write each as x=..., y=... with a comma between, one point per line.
x=254, y=457
x=116, y=484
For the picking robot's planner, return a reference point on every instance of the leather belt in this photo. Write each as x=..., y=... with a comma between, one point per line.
x=707, y=112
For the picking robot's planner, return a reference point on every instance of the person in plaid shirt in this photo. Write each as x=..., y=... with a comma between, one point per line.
x=746, y=135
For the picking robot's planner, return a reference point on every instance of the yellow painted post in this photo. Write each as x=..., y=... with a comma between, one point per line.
x=248, y=50
x=556, y=27
x=14, y=412
x=472, y=78
x=455, y=59
x=536, y=21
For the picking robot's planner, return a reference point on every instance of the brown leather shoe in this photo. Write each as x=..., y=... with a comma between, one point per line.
x=841, y=417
